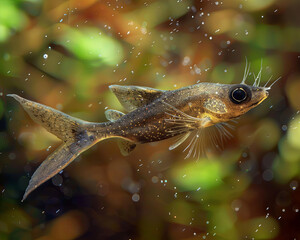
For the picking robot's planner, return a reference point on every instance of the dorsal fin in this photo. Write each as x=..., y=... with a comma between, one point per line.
x=132, y=97
x=125, y=146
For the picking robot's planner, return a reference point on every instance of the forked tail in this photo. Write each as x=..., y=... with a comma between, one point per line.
x=73, y=132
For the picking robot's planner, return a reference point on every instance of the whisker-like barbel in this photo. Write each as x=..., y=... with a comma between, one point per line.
x=268, y=88
x=246, y=72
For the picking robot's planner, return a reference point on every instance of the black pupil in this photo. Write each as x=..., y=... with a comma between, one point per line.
x=239, y=94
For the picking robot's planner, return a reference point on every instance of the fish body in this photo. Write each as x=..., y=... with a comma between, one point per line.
x=153, y=115
x=158, y=117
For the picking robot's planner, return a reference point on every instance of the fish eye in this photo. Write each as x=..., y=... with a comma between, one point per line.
x=239, y=94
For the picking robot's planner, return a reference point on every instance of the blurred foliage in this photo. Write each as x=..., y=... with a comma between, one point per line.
x=65, y=54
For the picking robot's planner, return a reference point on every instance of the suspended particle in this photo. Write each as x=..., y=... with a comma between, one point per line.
x=135, y=197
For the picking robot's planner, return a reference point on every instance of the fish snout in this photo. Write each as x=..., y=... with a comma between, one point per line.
x=263, y=92
x=266, y=93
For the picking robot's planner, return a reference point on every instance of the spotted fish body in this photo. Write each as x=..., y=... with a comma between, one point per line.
x=153, y=115
x=156, y=115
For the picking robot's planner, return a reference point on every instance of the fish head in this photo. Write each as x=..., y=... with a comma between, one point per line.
x=229, y=101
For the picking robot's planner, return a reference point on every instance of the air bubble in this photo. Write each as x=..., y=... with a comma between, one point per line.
x=154, y=179
x=135, y=197
x=284, y=127
x=294, y=185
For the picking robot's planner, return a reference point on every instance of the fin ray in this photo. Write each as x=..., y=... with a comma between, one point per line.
x=203, y=140
x=180, y=141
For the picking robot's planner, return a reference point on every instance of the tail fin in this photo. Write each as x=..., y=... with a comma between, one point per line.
x=76, y=139
x=61, y=125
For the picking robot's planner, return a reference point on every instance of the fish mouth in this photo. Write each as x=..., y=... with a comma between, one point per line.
x=266, y=94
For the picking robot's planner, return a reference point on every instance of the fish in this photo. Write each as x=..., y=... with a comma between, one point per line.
x=153, y=115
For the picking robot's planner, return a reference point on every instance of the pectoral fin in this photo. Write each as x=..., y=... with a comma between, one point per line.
x=132, y=97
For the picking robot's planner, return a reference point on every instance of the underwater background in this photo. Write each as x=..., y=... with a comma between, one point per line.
x=65, y=54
